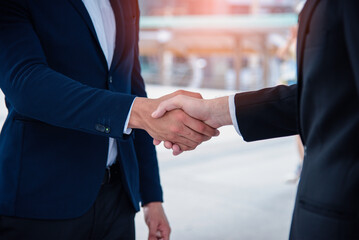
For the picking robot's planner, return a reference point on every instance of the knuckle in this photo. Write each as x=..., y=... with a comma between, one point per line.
x=197, y=138
x=212, y=131
x=160, y=106
x=188, y=133
x=181, y=129
x=180, y=92
x=173, y=129
x=192, y=145
x=179, y=98
x=191, y=148
x=201, y=128
x=184, y=148
x=206, y=138
x=180, y=116
x=176, y=130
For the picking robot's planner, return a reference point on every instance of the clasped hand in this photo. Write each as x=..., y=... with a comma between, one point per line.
x=180, y=129
x=214, y=113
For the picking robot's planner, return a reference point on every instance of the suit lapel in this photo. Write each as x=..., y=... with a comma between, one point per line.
x=304, y=20
x=81, y=9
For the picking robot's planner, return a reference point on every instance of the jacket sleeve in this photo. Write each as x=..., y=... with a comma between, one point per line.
x=38, y=92
x=267, y=113
x=349, y=13
x=150, y=186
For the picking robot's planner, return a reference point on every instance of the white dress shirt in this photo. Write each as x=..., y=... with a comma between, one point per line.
x=103, y=20
x=232, y=111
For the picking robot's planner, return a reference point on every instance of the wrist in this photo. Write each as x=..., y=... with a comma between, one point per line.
x=141, y=109
x=219, y=111
x=151, y=204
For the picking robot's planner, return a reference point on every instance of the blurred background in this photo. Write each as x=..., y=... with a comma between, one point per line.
x=221, y=44
x=226, y=189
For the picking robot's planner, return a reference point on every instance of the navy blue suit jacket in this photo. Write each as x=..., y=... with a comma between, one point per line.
x=64, y=105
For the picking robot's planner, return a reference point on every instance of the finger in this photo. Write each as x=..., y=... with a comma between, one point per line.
x=188, y=139
x=176, y=150
x=168, y=145
x=165, y=234
x=182, y=135
x=175, y=153
x=203, y=130
x=194, y=130
x=152, y=232
x=167, y=105
x=159, y=234
x=186, y=144
x=156, y=142
x=165, y=230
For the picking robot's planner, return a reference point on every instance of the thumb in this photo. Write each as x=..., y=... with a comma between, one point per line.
x=166, y=106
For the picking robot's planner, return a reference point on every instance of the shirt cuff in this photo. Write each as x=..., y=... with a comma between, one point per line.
x=232, y=111
x=126, y=129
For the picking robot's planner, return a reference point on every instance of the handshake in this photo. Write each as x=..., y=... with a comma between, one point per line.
x=182, y=120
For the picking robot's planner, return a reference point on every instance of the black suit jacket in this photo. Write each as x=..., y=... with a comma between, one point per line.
x=324, y=109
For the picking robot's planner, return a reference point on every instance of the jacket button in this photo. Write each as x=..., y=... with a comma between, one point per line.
x=110, y=79
x=107, y=130
x=100, y=128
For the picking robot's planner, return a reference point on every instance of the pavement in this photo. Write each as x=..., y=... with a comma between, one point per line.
x=226, y=189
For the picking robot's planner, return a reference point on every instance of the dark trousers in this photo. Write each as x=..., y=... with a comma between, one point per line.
x=110, y=218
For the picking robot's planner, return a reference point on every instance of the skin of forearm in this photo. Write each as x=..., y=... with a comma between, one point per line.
x=141, y=109
x=219, y=112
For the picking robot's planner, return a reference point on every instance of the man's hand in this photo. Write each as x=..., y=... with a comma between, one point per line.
x=156, y=220
x=214, y=112
x=176, y=126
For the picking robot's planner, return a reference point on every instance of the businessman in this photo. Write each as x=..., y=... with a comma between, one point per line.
x=323, y=108
x=75, y=160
